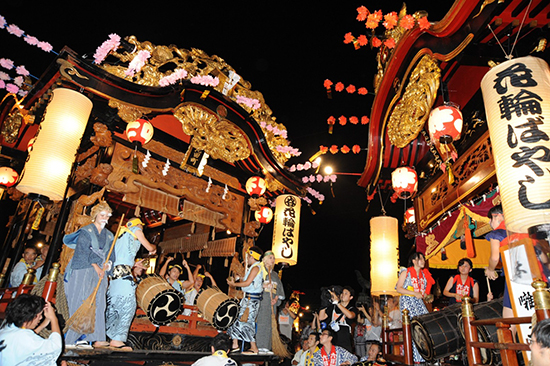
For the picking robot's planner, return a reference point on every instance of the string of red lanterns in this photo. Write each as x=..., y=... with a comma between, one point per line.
x=334, y=149
x=389, y=21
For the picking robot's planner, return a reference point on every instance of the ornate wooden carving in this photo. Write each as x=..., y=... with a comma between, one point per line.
x=473, y=170
x=177, y=183
x=77, y=216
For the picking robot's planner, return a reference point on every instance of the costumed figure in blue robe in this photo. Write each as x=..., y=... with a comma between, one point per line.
x=121, y=294
x=252, y=286
x=91, y=246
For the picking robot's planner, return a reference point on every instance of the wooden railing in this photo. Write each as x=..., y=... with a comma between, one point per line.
x=8, y=294
x=392, y=343
x=505, y=345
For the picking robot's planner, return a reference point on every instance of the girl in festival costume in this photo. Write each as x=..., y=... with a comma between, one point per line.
x=462, y=284
x=272, y=297
x=19, y=343
x=87, y=266
x=414, y=284
x=252, y=288
x=121, y=295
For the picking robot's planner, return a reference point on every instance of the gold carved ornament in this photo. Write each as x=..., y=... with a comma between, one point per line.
x=413, y=108
x=218, y=137
x=13, y=122
x=384, y=54
x=165, y=60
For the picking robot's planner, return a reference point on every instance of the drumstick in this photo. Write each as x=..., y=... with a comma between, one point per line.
x=488, y=284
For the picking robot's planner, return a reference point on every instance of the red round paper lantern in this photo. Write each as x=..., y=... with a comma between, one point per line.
x=445, y=123
x=8, y=176
x=409, y=216
x=255, y=186
x=264, y=215
x=139, y=131
x=404, y=181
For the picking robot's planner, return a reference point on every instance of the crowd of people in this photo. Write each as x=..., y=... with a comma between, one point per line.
x=341, y=333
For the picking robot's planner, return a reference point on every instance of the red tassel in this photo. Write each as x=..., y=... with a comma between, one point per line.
x=470, y=250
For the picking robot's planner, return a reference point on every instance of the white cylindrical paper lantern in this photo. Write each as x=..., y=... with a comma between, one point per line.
x=286, y=228
x=384, y=254
x=516, y=95
x=53, y=153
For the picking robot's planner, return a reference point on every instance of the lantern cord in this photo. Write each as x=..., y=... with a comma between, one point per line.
x=519, y=30
x=509, y=56
x=494, y=35
x=381, y=203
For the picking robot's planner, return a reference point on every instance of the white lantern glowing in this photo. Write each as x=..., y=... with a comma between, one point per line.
x=53, y=153
x=404, y=182
x=384, y=254
x=286, y=229
x=516, y=94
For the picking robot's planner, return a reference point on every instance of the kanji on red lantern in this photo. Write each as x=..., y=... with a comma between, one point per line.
x=404, y=182
x=255, y=186
x=445, y=123
x=139, y=131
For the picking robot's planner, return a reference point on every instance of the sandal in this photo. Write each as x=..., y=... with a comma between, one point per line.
x=235, y=350
x=122, y=347
x=100, y=344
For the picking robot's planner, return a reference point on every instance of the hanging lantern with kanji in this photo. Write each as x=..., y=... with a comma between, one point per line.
x=8, y=176
x=138, y=132
x=445, y=126
x=264, y=215
x=404, y=182
x=445, y=123
x=409, y=216
x=255, y=186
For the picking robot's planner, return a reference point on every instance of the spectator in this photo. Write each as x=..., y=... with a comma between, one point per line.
x=29, y=261
x=301, y=352
x=540, y=344
x=329, y=354
x=312, y=347
x=220, y=346
x=341, y=314
x=286, y=319
x=21, y=344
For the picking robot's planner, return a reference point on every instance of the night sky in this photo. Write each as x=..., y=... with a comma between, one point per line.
x=285, y=50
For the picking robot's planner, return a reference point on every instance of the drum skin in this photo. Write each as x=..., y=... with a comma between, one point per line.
x=160, y=301
x=217, y=308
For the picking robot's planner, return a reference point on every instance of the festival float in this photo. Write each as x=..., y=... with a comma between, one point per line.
x=451, y=135
x=174, y=136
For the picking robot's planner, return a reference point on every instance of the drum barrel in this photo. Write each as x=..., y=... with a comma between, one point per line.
x=435, y=334
x=217, y=308
x=160, y=301
x=486, y=333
